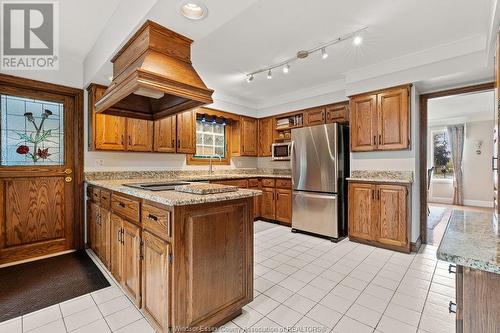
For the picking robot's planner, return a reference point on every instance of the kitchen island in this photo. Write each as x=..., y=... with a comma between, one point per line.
x=472, y=242
x=185, y=259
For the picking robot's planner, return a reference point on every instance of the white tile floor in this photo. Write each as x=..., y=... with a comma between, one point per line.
x=303, y=282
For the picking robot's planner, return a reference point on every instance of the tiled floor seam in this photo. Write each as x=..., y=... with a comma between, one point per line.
x=426, y=297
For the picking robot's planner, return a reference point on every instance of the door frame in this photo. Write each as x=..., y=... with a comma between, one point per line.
x=424, y=98
x=78, y=143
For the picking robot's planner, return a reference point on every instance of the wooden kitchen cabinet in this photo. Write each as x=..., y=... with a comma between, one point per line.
x=255, y=184
x=106, y=132
x=156, y=281
x=131, y=258
x=337, y=113
x=165, y=135
x=268, y=207
x=139, y=135
x=186, y=132
x=284, y=205
x=315, y=116
x=379, y=214
x=266, y=129
x=104, y=232
x=381, y=120
x=116, y=247
x=244, y=137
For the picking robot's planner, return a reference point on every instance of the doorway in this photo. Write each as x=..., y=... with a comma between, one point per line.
x=41, y=173
x=456, y=145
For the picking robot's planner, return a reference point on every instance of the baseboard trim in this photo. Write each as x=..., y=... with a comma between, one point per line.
x=415, y=246
x=479, y=203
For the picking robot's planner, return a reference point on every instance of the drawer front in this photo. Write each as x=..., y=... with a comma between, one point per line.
x=284, y=183
x=268, y=182
x=125, y=207
x=105, y=199
x=157, y=221
x=95, y=194
x=253, y=182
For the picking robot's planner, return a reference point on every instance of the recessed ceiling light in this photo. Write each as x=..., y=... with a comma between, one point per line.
x=193, y=10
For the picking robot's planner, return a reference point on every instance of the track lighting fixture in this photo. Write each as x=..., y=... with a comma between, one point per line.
x=324, y=55
x=304, y=54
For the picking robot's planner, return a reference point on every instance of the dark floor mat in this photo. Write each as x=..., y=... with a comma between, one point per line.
x=35, y=285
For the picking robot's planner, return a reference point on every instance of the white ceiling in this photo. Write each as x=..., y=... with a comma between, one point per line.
x=245, y=35
x=461, y=108
x=80, y=24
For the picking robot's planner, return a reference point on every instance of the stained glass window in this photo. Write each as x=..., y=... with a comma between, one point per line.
x=210, y=139
x=31, y=132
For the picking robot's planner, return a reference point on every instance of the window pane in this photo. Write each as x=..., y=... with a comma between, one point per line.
x=31, y=132
x=210, y=139
x=443, y=164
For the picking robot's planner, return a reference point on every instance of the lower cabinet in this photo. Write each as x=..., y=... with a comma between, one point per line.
x=156, y=281
x=98, y=230
x=380, y=214
x=277, y=200
x=126, y=256
x=268, y=207
x=284, y=205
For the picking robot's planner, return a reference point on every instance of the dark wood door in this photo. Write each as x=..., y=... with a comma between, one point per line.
x=156, y=281
x=268, y=206
x=186, y=132
x=131, y=279
x=392, y=221
x=139, y=135
x=363, y=121
x=116, y=247
x=393, y=119
x=41, y=180
x=361, y=210
x=266, y=129
x=284, y=205
x=165, y=134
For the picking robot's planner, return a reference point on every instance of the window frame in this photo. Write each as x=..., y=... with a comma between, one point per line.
x=192, y=159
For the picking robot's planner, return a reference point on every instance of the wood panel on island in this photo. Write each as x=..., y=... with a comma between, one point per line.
x=381, y=120
x=379, y=214
x=161, y=257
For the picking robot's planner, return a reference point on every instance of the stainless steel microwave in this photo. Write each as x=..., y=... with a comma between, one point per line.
x=281, y=151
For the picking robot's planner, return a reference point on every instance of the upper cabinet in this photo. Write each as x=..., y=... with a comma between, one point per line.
x=315, y=116
x=186, y=132
x=139, y=135
x=381, y=120
x=244, y=137
x=165, y=135
x=265, y=136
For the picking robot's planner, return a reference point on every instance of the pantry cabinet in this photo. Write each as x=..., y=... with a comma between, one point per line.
x=379, y=214
x=380, y=120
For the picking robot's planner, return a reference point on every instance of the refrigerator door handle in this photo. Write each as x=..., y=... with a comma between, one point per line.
x=318, y=196
x=292, y=152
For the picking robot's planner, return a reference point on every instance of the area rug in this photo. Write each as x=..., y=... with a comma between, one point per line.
x=38, y=284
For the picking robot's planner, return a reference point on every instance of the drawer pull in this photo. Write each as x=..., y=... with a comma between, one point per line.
x=452, y=307
x=104, y=197
x=452, y=269
x=121, y=204
x=153, y=217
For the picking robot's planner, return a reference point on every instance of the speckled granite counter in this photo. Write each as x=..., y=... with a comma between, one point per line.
x=188, y=175
x=403, y=177
x=472, y=239
x=171, y=197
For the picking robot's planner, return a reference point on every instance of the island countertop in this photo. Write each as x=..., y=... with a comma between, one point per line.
x=472, y=239
x=170, y=197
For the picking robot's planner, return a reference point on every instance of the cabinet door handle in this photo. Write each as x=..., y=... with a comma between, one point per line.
x=129, y=140
x=373, y=194
x=173, y=143
x=122, y=140
x=178, y=143
x=123, y=236
x=121, y=204
x=374, y=140
x=452, y=307
x=153, y=217
x=379, y=139
x=119, y=235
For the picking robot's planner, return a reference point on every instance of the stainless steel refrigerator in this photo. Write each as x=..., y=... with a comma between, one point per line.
x=320, y=165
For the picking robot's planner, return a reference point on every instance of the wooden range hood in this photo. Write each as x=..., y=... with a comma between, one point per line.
x=153, y=77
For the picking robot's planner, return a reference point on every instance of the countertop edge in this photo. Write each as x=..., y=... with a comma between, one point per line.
x=380, y=180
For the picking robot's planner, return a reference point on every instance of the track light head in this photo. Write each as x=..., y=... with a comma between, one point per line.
x=286, y=68
x=269, y=75
x=357, y=40
x=250, y=78
x=324, y=55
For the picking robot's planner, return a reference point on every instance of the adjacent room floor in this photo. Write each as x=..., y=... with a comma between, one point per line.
x=300, y=281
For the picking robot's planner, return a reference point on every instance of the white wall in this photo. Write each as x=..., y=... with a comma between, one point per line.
x=478, y=185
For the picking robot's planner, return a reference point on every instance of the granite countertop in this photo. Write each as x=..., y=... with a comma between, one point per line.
x=402, y=177
x=171, y=197
x=472, y=239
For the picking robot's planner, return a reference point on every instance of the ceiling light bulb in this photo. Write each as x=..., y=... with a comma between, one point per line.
x=357, y=40
x=324, y=55
x=269, y=75
x=193, y=10
x=286, y=69
x=250, y=78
